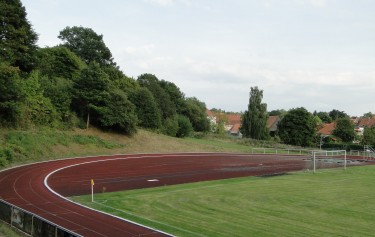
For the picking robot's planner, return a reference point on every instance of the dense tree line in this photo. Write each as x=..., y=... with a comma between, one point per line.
x=78, y=83
x=298, y=126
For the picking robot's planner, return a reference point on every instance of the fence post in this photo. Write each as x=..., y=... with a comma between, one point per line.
x=314, y=161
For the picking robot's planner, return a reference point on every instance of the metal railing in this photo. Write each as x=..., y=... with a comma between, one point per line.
x=31, y=224
x=369, y=152
x=281, y=151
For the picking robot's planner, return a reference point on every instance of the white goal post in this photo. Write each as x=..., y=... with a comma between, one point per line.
x=324, y=154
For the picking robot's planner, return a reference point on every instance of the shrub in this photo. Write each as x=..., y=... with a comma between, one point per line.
x=184, y=126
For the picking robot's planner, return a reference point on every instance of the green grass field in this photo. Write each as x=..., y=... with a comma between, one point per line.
x=330, y=203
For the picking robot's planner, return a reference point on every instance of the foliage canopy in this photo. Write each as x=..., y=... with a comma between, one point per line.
x=297, y=128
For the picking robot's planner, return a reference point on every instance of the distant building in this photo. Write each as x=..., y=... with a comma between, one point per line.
x=272, y=123
x=211, y=116
x=366, y=122
x=234, y=124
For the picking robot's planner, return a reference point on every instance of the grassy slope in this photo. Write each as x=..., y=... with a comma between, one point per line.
x=42, y=144
x=330, y=203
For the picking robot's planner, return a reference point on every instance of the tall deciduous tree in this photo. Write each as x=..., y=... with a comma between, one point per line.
x=344, y=129
x=195, y=111
x=17, y=38
x=91, y=90
x=177, y=97
x=336, y=114
x=59, y=67
x=118, y=113
x=325, y=117
x=165, y=104
x=87, y=44
x=59, y=62
x=149, y=115
x=35, y=107
x=254, y=124
x=297, y=128
x=10, y=94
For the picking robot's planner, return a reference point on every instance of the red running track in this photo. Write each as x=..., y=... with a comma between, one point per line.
x=40, y=188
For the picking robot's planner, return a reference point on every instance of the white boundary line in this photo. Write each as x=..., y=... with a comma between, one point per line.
x=88, y=162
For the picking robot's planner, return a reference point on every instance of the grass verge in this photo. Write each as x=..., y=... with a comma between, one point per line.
x=20, y=147
x=331, y=203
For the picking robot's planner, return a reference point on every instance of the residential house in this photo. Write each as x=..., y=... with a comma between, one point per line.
x=272, y=123
x=211, y=117
x=233, y=124
x=366, y=122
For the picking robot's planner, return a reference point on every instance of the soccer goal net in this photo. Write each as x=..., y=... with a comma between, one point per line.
x=328, y=159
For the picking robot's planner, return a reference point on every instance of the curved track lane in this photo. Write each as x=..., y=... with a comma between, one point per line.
x=24, y=186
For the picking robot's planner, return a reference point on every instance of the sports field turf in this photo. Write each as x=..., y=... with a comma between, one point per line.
x=332, y=202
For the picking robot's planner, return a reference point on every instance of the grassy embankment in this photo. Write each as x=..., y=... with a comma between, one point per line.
x=19, y=147
x=331, y=203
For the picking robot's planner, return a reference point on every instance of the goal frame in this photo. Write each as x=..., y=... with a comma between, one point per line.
x=326, y=153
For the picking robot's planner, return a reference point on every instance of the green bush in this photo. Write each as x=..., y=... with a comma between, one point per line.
x=342, y=146
x=171, y=126
x=184, y=126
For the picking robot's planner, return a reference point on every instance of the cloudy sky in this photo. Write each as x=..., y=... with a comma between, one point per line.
x=317, y=54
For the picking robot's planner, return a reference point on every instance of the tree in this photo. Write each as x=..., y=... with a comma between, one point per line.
x=368, y=115
x=184, y=126
x=170, y=126
x=10, y=94
x=35, y=108
x=87, y=44
x=195, y=111
x=118, y=113
x=149, y=115
x=325, y=117
x=59, y=62
x=336, y=114
x=318, y=122
x=369, y=136
x=90, y=90
x=175, y=94
x=165, y=104
x=277, y=112
x=297, y=128
x=17, y=38
x=254, y=124
x=59, y=91
x=344, y=129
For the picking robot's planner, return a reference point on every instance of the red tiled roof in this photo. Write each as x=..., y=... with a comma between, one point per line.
x=327, y=128
x=367, y=122
x=272, y=123
x=235, y=128
x=209, y=113
x=234, y=119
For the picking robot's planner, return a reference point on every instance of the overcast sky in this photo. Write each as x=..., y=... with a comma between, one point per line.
x=317, y=54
